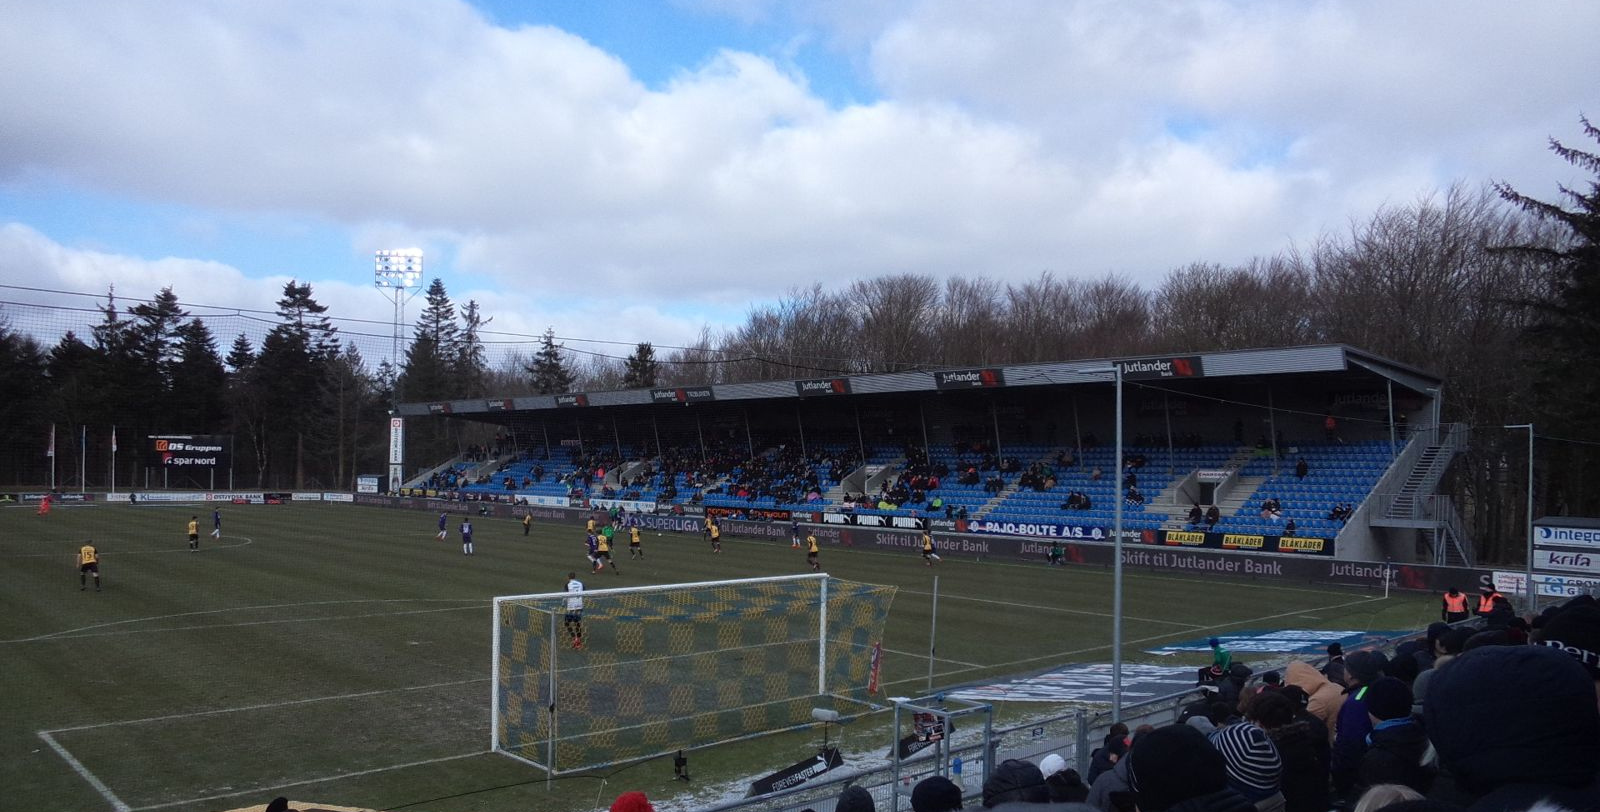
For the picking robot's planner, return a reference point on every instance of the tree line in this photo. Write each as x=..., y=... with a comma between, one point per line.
x=1495, y=291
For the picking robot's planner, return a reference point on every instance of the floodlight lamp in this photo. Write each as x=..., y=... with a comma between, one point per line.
x=400, y=268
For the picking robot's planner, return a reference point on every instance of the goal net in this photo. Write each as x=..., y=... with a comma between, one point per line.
x=678, y=666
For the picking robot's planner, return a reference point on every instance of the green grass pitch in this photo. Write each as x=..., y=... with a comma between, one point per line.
x=341, y=653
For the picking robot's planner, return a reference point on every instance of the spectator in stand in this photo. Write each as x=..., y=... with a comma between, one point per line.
x=1324, y=698
x=1109, y=792
x=1015, y=780
x=1334, y=670
x=1397, y=743
x=1302, y=747
x=1062, y=783
x=855, y=799
x=1096, y=474
x=1574, y=629
x=1289, y=527
x=1175, y=768
x=1505, y=749
x=1350, y=734
x=936, y=794
x=1330, y=428
x=1255, y=768
x=1196, y=515
x=1213, y=515
x=1110, y=751
x=632, y=802
x=1301, y=469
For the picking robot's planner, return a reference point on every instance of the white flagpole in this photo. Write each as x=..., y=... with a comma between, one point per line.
x=83, y=457
x=51, y=452
x=113, y=478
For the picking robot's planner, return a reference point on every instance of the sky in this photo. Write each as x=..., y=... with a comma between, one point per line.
x=634, y=171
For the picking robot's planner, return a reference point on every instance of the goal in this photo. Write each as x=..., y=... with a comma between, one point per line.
x=672, y=667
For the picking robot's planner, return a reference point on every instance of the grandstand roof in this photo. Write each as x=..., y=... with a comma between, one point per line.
x=1175, y=368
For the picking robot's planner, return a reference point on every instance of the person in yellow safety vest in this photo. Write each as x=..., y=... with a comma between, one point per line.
x=1487, y=599
x=1455, y=606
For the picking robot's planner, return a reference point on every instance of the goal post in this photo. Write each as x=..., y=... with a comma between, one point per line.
x=677, y=666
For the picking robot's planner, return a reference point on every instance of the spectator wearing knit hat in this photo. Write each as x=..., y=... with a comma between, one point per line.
x=1350, y=735
x=1506, y=748
x=632, y=802
x=1397, y=742
x=1575, y=632
x=1175, y=768
x=1302, y=744
x=1255, y=769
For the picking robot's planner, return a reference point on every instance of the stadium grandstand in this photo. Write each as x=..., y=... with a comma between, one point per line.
x=1322, y=449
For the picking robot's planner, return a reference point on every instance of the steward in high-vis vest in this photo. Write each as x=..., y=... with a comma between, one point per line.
x=1455, y=606
x=1486, y=600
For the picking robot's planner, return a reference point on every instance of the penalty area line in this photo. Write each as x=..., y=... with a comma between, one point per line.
x=83, y=772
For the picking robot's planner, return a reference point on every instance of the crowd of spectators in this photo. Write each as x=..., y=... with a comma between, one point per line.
x=1498, y=717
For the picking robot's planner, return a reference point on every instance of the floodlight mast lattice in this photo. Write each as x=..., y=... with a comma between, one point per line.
x=397, y=274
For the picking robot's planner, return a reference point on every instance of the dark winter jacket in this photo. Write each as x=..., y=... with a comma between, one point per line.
x=1394, y=756
x=1222, y=801
x=1110, y=783
x=1350, y=740
x=1304, y=750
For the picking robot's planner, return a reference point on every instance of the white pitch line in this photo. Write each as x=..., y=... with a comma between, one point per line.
x=120, y=633
x=119, y=553
x=1041, y=607
x=1138, y=641
x=923, y=655
x=300, y=605
x=339, y=777
x=265, y=706
x=83, y=772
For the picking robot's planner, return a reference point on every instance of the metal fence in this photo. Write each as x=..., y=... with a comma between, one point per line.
x=1073, y=735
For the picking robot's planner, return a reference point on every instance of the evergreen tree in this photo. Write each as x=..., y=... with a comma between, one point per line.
x=293, y=359
x=247, y=413
x=427, y=372
x=22, y=408
x=198, y=381
x=471, y=366
x=1564, y=337
x=549, y=370
x=641, y=368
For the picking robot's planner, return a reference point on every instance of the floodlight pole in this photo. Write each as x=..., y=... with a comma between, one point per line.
x=397, y=274
x=1115, y=370
x=1528, y=584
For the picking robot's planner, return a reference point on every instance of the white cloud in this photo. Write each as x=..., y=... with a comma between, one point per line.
x=1010, y=137
x=230, y=301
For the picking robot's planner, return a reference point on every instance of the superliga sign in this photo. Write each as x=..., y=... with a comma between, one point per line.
x=189, y=450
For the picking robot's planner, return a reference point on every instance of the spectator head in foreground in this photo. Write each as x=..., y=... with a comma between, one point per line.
x=1254, y=766
x=1015, y=780
x=632, y=802
x=1576, y=633
x=1517, y=722
x=855, y=799
x=1173, y=764
x=935, y=794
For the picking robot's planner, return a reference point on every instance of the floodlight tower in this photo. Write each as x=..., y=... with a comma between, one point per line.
x=398, y=276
